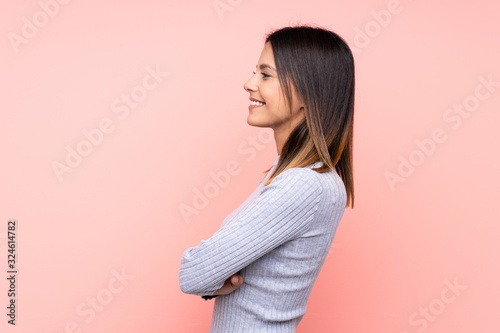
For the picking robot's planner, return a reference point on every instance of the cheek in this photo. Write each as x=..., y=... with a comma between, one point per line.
x=273, y=93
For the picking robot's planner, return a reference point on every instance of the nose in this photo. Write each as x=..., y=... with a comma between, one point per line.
x=249, y=85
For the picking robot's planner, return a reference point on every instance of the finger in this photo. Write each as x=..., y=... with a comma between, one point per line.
x=236, y=280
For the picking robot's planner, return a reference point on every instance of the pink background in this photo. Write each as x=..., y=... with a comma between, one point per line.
x=418, y=255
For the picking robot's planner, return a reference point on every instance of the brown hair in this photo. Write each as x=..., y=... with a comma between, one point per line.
x=320, y=66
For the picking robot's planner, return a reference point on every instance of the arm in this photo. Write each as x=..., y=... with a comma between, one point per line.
x=283, y=211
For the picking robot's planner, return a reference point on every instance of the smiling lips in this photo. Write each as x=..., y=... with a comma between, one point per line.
x=255, y=103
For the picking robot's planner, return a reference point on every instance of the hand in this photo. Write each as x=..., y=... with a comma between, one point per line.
x=231, y=284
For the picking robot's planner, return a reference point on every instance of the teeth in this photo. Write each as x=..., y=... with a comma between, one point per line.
x=256, y=103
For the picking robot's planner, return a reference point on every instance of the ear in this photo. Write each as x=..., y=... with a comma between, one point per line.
x=299, y=106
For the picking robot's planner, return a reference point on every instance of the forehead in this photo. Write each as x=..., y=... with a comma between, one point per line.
x=266, y=56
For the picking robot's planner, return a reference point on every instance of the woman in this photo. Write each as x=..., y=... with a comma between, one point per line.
x=263, y=261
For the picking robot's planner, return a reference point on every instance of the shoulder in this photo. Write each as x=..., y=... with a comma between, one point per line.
x=298, y=179
x=306, y=181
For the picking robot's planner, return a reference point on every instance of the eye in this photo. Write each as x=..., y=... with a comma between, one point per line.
x=263, y=74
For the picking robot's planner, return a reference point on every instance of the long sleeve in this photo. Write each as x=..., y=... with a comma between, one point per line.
x=281, y=212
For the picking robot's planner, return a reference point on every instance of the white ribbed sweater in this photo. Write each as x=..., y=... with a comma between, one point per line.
x=278, y=240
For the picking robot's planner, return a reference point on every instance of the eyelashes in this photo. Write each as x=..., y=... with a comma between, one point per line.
x=263, y=74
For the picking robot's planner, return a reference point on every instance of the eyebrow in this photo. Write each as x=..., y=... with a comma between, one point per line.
x=266, y=66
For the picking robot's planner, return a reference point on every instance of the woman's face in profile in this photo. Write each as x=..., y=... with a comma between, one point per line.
x=265, y=87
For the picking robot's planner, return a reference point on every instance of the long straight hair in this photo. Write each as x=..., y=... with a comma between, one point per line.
x=319, y=65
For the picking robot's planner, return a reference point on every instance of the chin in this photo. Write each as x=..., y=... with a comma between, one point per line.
x=256, y=123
